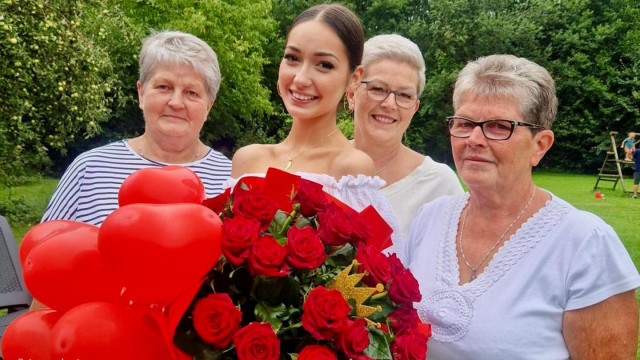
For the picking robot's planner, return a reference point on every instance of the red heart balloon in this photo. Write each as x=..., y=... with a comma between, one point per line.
x=29, y=336
x=66, y=270
x=42, y=232
x=107, y=331
x=157, y=251
x=171, y=184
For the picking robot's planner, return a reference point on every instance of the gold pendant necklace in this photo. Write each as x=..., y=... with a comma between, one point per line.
x=291, y=158
x=464, y=222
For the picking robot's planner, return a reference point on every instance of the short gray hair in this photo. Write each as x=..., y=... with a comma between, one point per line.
x=175, y=47
x=397, y=48
x=522, y=80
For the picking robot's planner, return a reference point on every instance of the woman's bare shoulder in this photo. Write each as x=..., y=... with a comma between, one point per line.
x=250, y=159
x=354, y=162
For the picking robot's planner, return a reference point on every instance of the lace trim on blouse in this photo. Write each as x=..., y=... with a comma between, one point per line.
x=449, y=308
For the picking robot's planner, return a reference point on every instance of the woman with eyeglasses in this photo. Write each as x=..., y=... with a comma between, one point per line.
x=509, y=270
x=383, y=105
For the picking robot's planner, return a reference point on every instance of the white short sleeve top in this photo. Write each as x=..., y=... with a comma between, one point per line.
x=560, y=259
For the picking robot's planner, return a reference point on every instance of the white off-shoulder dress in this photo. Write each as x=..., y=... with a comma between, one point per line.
x=356, y=191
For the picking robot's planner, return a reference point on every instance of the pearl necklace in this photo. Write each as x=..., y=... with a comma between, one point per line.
x=464, y=222
x=291, y=158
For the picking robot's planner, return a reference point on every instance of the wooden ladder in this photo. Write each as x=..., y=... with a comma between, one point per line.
x=611, y=169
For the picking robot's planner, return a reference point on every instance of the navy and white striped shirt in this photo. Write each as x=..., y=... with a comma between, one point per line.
x=88, y=189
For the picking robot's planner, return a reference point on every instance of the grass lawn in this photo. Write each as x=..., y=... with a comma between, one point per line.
x=616, y=208
x=28, y=203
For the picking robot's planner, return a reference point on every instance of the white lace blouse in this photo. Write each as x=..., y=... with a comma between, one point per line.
x=356, y=191
x=560, y=259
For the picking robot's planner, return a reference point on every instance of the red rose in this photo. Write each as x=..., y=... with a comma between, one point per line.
x=254, y=204
x=403, y=320
x=375, y=263
x=305, y=250
x=409, y=346
x=395, y=263
x=325, y=313
x=354, y=338
x=239, y=233
x=404, y=288
x=335, y=225
x=216, y=319
x=317, y=352
x=266, y=257
x=257, y=341
x=311, y=197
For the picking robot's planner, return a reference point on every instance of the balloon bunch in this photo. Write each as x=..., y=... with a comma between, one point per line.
x=118, y=291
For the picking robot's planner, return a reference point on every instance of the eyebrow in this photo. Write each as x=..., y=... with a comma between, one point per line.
x=317, y=53
x=188, y=84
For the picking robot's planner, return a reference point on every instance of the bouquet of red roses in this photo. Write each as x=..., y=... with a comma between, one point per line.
x=302, y=276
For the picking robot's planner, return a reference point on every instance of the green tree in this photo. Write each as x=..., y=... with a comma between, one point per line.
x=69, y=70
x=111, y=30
x=594, y=55
x=54, y=81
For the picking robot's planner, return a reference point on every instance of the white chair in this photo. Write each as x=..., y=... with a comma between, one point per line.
x=13, y=293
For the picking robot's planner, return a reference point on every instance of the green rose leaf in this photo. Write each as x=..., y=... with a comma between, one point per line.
x=271, y=314
x=278, y=222
x=378, y=345
x=275, y=291
x=387, y=309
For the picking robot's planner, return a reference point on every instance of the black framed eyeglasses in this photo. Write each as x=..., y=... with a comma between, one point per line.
x=494, y=129
x=379, y=91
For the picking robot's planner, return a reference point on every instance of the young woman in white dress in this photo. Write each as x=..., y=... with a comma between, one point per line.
x=321, y=61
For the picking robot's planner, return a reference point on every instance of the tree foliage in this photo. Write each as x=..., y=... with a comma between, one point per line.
x=55, y=84
x=68, y=68
x=594, y=55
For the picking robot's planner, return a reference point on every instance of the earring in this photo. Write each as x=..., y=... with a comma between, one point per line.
x=345, y=105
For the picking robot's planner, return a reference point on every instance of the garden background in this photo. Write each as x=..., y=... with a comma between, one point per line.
x=68, y=70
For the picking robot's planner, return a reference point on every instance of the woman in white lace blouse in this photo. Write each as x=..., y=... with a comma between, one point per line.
x=508, y=270
x=321, y=59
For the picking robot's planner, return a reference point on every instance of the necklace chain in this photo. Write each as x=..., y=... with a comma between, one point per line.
x=464, y=222
x=388, y=163
x=291, y=158
x=141, y=150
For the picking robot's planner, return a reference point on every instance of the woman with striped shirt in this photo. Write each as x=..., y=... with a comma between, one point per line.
x=179, y=81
